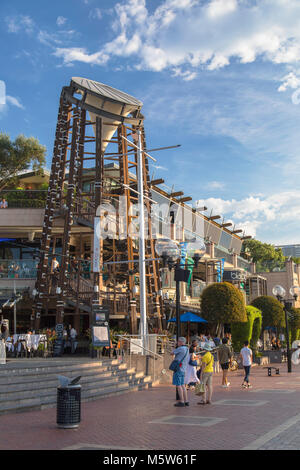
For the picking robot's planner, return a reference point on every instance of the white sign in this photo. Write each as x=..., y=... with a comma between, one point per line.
x=136, y=346
x=100, y=334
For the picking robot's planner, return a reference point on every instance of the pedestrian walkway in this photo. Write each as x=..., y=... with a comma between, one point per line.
x=264, y=417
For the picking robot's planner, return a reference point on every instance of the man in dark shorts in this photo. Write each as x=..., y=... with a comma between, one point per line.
x=225, y=354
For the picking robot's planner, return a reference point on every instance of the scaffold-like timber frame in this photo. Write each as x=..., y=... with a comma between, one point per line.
x=78, y=185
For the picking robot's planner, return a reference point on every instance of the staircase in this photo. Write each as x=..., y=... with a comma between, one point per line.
x=27, y=385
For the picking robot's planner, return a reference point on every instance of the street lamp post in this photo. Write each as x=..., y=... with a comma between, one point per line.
x=169, y=251
x=280, y=293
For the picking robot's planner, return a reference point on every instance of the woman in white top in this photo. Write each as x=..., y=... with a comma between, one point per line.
x=190, y=376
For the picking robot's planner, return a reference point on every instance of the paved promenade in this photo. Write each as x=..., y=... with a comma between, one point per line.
x=264, y=417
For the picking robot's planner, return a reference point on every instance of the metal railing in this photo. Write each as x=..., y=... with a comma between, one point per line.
x=129, y=339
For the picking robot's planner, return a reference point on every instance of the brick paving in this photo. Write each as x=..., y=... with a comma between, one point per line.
x=264, y=417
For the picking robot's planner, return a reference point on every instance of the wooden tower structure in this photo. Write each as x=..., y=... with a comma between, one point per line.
x=94, y=166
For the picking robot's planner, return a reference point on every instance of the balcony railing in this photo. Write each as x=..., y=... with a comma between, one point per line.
x=18, y=269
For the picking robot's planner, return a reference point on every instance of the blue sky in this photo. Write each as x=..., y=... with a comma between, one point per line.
x=219, y=77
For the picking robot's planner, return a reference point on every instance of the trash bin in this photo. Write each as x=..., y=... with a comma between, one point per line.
x=68, y=405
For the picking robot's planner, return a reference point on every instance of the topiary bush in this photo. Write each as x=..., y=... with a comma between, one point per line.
x=294, y=323
x=247, y=331
x=222, y=302
x=271, y=309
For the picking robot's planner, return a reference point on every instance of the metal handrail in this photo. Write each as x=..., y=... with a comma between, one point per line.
x=139, y=345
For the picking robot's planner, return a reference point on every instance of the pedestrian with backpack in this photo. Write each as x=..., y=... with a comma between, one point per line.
x=179, y=366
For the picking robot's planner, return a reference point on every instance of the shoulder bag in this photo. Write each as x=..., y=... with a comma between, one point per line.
x=175, y=364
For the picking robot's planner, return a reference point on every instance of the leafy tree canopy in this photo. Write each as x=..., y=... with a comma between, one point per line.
x=222, y=302
x=19, y=155
x=271, y=309
x=266, y=256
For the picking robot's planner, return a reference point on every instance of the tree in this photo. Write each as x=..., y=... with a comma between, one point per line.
x=271, y=309
x=247, y=331
x=266, y=256
x=294, y=321
x=18, y=156
x=222, y=302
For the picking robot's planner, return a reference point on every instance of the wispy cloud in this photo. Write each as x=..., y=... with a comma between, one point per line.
x=14, y=101
x=18, y=23
x=61, y=20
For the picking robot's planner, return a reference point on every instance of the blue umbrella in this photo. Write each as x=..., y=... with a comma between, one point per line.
x=189, y=317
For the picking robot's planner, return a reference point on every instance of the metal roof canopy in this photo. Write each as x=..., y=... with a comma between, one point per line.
x=112, y=104
x=105, y=91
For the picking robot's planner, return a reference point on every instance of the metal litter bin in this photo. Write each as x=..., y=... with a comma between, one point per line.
x=68, y=405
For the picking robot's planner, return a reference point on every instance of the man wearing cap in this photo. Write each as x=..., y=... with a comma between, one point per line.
x=207, y=369
x=182, y=356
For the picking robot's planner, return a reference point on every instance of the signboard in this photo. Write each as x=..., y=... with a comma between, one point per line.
x=234, y=275
x=100, y=336
x=58, y=347
x=100, y=315
x=136, y=346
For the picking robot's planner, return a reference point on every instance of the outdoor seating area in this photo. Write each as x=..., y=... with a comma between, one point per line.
x=27, y=345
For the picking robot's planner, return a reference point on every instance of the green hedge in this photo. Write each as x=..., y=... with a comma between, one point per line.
x=271, y=309
x=247, y=331
x=20, y=203
x=222, y=302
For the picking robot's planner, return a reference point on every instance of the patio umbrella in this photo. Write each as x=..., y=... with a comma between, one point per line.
x=189, y=317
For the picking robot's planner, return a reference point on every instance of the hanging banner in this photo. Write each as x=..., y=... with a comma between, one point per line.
x=220, y=270
x=96, y=252
x=183, y=253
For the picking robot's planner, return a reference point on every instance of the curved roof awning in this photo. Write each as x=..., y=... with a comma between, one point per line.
x=113, y=105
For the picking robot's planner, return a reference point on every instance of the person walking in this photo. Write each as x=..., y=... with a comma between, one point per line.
x=181, y=354
x=246, y=356
x=73, y=335
x=206, y=375
x=225, y=355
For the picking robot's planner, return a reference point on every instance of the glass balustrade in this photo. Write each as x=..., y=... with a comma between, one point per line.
x=18, y=269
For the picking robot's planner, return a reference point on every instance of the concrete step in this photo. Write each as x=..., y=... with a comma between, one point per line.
x=42, y=387
x=91, y=394
x=40, y=367
x=33, y=384
x=38, y=375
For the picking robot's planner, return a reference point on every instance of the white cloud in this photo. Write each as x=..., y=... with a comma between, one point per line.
x=255, y=214
x=218, y=8
x=70, y=55
x=18, y=23
x=95, y=14
x=14, y=101
x=61, y=20
x=212, y=34
x=10, y=101
x=215, y=185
